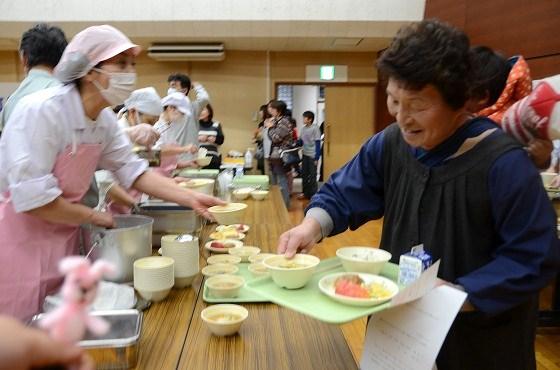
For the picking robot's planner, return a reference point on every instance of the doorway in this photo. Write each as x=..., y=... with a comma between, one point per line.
x=345, y=113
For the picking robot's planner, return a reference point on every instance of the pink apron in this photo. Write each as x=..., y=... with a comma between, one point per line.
x=168, y=163
x=30, y=248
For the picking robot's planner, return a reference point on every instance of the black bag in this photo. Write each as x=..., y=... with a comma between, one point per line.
x=290, y=156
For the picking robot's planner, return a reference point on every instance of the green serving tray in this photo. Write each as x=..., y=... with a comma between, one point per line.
x=245, y=295
x=310, y=301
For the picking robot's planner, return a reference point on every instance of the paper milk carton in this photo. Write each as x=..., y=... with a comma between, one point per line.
x=412, y=264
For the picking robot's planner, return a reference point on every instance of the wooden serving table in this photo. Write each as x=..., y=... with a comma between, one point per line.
x=175, y=337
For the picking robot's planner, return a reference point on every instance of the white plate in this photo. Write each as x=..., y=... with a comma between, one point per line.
x=208, y=246
x=326, y=285
x=239, y=236
x=234, y=226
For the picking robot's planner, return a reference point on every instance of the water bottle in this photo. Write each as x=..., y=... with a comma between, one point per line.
x=225, y=179
x=248, y=159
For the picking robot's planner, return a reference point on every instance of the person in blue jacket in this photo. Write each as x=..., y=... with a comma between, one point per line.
x=457, y=184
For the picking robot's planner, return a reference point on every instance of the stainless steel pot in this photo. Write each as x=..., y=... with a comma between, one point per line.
x=129, y=240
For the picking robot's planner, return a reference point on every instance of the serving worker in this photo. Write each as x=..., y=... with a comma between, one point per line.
x=54, y=141
x=457, y=184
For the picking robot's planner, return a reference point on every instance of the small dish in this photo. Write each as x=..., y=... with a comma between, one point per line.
x=222, y=246
x=223, y=258
x=244, y=252
x=386, y=288
x=227, y=234
x=224, y=286
x=219, y=269
x=242, y=228
x=224, y=319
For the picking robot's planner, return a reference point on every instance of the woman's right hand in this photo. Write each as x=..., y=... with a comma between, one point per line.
x=102, y=219
x=301, y=238
x=555, y=183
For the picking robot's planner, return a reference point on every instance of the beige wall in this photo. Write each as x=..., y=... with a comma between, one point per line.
x=237, y=86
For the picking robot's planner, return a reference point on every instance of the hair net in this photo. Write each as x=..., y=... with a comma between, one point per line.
x=90, y=47
x=177, y=100
x=146, y=101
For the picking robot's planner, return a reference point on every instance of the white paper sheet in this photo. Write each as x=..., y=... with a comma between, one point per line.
x=417, y=289
x=411, y=335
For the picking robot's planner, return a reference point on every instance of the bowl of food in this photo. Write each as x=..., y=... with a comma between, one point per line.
x=219, y=269
x=223, y=258
x=231, y=213
x=244, y=252
x=259, y=258
x=291, y=273
x=203, y=161
x=259, y=194
x=242, y=193
x=223, y=245
x=224, y=319
x=224, y=286
x=258, y=270
x=358, y=289
x=363, y=259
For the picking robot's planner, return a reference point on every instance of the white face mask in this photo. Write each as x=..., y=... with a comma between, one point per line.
x=121, y=85
x=171, y=90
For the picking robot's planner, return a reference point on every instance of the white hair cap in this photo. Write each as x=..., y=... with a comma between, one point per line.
x=146, y=101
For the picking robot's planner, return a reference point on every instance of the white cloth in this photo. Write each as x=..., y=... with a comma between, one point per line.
x=110, y=296
x=42, y=126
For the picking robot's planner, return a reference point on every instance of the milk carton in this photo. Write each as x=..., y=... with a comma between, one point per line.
x=412, y=264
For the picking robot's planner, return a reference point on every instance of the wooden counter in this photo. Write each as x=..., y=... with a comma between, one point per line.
x=174, y=336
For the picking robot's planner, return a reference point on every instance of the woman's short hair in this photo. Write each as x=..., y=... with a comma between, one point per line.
x=279, y=105
x=430, y=52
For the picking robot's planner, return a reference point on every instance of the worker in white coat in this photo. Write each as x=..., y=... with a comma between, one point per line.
x=54, y=141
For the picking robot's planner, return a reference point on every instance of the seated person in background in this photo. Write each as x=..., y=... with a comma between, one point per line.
x=497, y=84
x=210, y=136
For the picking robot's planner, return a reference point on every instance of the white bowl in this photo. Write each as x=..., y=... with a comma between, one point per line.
x=259, y=194
x=244, y=252
x=223, y=258
x=203, y=161
x=326, y=285
x=363, y=259
x=205, y=186
x=547, y=178
x=154, y=274
x=154, y=296
x=242, y=193
x=225, y=242
x=231, y=213
x=184, y=281
x=259, y=258
x=224, y=286
x=224, y=319
x=219, y=269
x=286, y=276
x=258, y=269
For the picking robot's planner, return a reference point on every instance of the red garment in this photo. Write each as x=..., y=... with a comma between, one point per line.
x=517, y=87
x=295, y=133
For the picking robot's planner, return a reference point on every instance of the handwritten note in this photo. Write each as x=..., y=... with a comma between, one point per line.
x=411, y=335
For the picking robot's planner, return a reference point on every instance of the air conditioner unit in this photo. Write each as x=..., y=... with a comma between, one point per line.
x=187, y=52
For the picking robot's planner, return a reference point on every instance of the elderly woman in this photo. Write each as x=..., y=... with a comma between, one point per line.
x=53, y=143
x=457, y=184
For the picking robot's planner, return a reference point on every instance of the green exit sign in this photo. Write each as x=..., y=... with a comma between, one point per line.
x=326, y=73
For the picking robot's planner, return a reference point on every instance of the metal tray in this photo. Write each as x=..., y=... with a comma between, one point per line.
x=118, y=349
x=169, y=218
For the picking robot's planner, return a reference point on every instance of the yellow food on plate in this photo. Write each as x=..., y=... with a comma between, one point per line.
x=378, y=291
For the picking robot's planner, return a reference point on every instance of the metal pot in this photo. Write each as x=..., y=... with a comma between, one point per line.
x=130, y=240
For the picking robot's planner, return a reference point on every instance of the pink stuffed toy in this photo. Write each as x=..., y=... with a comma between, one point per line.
x=68, y=322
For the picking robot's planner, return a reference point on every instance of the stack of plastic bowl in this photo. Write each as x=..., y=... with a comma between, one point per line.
x=154, y=277
x=183, y=249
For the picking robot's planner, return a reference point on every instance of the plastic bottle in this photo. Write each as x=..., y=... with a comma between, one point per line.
x=248, y=159
x=225, y=179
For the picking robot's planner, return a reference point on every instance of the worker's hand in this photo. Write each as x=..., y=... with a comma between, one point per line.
x=202, y=138
x=23, y=348
x=103, y=219
x=143, y=134
x=555, y=183
x=540, y=150
x=200, y=203
x=301, y=238
x=187, y=164
x=191, y=148
x=212, y=139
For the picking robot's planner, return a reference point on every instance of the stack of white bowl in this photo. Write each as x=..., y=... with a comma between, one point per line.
x=183, y=249
x=154, y=277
